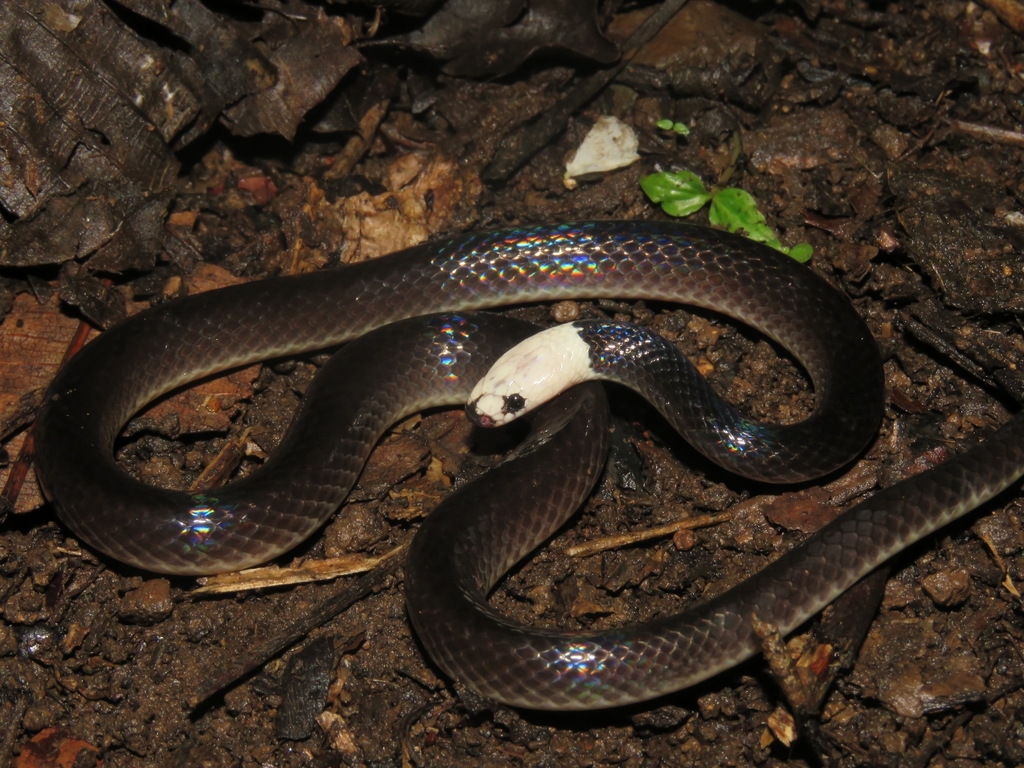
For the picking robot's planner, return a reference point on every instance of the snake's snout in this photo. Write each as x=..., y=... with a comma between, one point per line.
x=477, y=415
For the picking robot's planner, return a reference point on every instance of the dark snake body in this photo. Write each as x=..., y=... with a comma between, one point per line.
x=255, y=519
x=447, y=587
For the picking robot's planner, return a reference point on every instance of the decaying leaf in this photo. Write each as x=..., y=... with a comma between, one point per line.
x=97, y=97
x=308, y=68
x=87, y=114
x=480, y=39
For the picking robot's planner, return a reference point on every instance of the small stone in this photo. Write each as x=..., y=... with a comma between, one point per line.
x=684, y=539
x=148, y=604
x=565, y=311
x=709, y=705
x=948, y=588
x=891, y=141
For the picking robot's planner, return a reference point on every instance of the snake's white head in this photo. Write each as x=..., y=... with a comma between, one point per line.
x=528, y=375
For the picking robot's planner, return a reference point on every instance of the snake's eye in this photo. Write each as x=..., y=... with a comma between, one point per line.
x=513, y=403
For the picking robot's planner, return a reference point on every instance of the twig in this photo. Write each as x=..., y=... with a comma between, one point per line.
x=359, y=144
x=311, y=570
x=1008, y=584
x=625, y=539
x=989, y=133
x=218, y=471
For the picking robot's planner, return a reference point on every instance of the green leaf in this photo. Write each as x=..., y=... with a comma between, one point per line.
x=734, y=209
x=680, y=194
x=802, y=252
x=666, y=186
x=684, y=206
x=667, y=125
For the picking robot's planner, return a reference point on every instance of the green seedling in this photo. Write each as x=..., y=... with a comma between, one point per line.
x=678, y=128
x=682, y=193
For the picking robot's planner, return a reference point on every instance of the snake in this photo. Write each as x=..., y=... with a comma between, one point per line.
x=453, y=565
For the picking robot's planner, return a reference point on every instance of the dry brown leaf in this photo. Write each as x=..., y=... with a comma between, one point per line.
x=33, y=338
x=435, y=200
x=56, y=748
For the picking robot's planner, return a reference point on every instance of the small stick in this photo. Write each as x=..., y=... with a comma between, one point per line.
x=989, y=133
x=625, y=539
x=273, y=576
